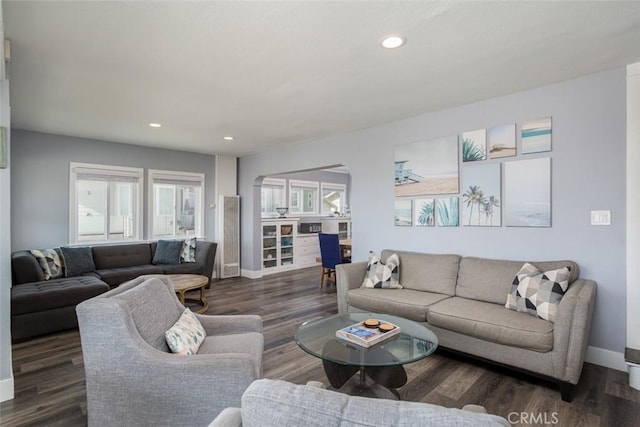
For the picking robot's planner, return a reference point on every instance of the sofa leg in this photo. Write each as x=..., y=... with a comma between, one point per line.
x=566, y=391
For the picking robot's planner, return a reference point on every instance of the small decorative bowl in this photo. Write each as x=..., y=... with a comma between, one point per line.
x=282, y=211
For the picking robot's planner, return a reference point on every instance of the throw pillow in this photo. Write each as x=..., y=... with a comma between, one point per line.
x=188, y=253
x=186, y=335
x=77, y=261
x=167, y=252
x=379, y=275
x=49, y=261
x=538, y=293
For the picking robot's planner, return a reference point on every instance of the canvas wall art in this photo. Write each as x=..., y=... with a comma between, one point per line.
x=481, y=196
x=474, y=145
x=427, y=167
x=402, y=216
x=502, y=141
x=528, y=193
x=448, y=212
x=536, y=136
x=423, y=212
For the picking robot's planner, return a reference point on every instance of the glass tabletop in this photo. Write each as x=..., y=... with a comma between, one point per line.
x=318, y=338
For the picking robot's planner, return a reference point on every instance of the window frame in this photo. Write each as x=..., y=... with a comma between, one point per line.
x=314, y=185
x=336, y=187
x=76, y=168
x=273, y=183
x=177, y=176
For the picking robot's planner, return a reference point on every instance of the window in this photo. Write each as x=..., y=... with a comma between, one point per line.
x=272, y=196
x=303, y=197
x=176, y=202
x=105, y=203
x=333, y=198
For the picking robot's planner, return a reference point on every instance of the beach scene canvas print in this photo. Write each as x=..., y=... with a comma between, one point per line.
x=427, y=167
x=536, y=136
x=502, y=141
x=448, y=212
x=481, y=204
x=528, y=193
x=423, y=212
x=474, y=145
x=402, y=215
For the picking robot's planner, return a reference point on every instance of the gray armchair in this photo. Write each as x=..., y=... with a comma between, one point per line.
x=133, y=379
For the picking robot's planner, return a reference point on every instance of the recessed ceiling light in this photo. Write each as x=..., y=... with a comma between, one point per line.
x=227, y=138
x=393, y=41
x=155, y=125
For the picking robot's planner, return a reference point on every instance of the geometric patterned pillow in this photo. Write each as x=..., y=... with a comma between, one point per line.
x=186, y=335
x=188, y=253
x=49, y=261
x=379, y=275
x=538, y=293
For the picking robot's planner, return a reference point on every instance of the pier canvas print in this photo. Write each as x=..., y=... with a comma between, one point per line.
x=502, y=141
x=527, y=193
x=402, y=216
x=536, y=136
x=481, y=195
x=427, y=167
x=474, y=145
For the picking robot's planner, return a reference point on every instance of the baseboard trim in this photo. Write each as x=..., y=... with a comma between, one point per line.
x=6, y=389
x=606, y=358
x=251, y=274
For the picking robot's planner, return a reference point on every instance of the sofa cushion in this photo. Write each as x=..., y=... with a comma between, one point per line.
x=64, y=292
x=406, y=303
x=77, y=261
x=117, y=256
x=287, y=404
x=184, y=268
x=382, y=274
x=116, y=276
x=538, y=293
x=187, y=335
x=251, y=343
x=492, y=322
x=50, y=262
x=490, y=280
x=427, y=272
x=167, y=252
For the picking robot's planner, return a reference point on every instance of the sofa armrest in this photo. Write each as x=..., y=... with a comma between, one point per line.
x=230, y=324
x=205, y=256
x=25, y=268
x=229, y=417
x=571, y=329
x=348, y=276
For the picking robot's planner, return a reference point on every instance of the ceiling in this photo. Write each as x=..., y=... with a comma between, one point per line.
x=272, y=73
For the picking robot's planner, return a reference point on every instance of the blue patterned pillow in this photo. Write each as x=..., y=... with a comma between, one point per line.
x=77, y=261
x=168, y=252
x=186, y=335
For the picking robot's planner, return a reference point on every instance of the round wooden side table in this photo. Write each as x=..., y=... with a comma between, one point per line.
x=188, y=282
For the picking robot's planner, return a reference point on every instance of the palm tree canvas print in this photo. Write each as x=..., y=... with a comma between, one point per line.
x=502, y=141
x=423, y=212
x=448, y=212
x=527, y=193
x=481, y=197
x=536, y=136
x=474, y=145
x=427, y=167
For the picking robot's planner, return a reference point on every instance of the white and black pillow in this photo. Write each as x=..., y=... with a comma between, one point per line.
x=538, y=292
x=188, y=253
x=50, y=262
x=379, y=275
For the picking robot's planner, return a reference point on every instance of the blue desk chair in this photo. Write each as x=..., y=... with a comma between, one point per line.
x=331, y=255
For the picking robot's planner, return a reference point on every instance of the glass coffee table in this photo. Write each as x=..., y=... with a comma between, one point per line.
x=379, y=368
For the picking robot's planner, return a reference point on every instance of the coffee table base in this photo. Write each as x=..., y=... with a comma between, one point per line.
x=356, y=387
x=353, y=381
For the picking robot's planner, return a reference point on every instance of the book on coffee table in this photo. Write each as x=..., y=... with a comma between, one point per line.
x=366, y=336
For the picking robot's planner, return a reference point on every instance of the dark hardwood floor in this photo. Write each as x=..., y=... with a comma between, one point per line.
x=50, y=390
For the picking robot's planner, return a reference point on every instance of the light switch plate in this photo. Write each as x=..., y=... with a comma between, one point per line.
x=601, y=217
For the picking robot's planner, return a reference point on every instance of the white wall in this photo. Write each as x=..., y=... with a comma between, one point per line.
x=588, y=173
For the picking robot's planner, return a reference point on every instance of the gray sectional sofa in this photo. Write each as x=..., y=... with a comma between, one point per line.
x=40, y=306
x=462, y=300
